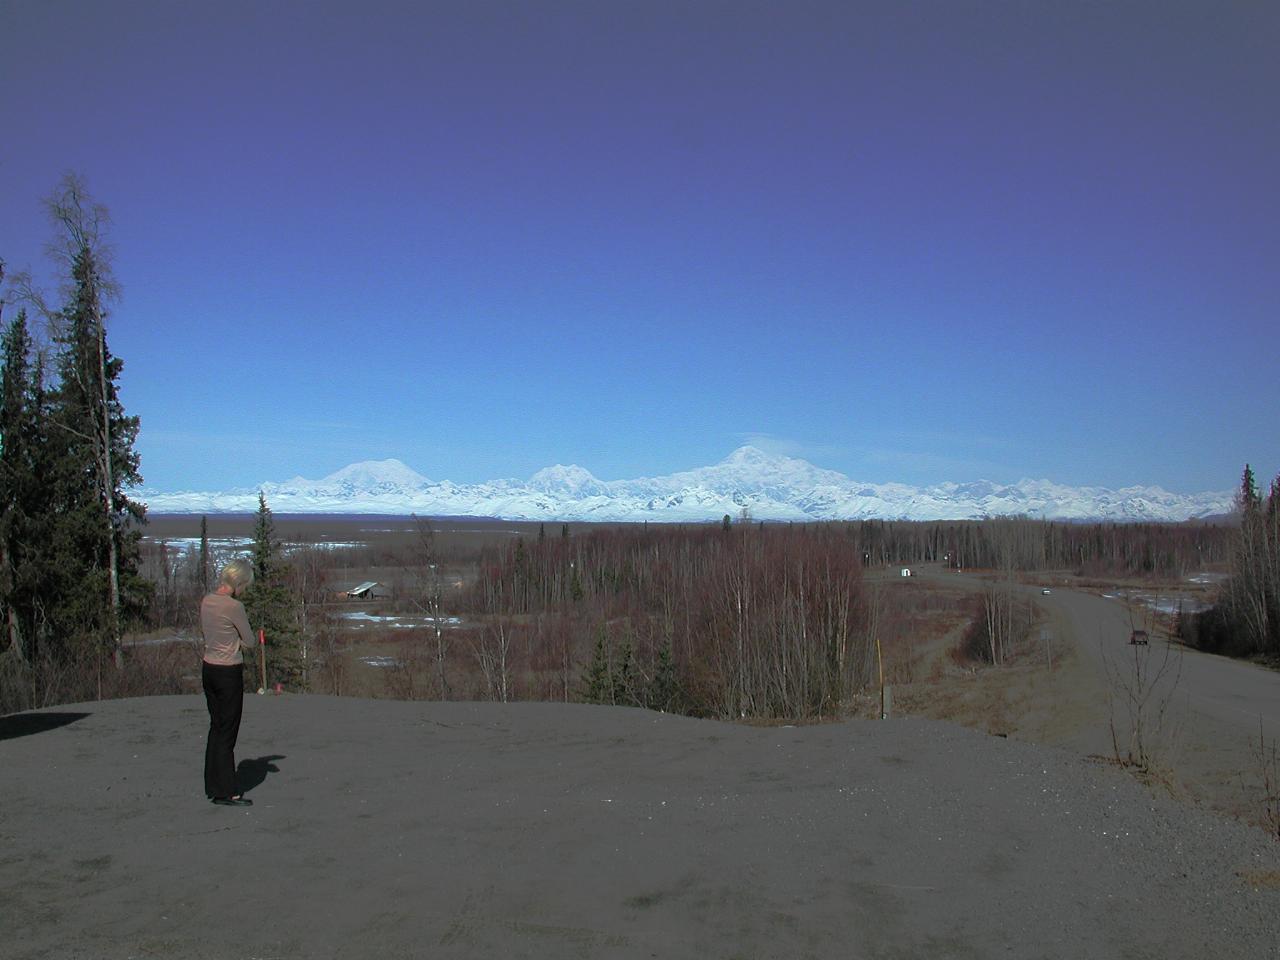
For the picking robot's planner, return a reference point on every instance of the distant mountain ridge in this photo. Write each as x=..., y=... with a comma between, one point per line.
x=769, y=487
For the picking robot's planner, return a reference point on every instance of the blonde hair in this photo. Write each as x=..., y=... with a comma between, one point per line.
x=237, y=574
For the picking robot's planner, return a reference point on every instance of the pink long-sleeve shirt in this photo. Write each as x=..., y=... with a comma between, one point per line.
x=226, y=629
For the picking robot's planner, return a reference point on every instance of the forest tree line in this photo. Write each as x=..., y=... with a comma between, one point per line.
x=769, y=619
x=644, y=614
x=702, y=620
x=1246, y=619
x=1087, y=549
x=69, y=581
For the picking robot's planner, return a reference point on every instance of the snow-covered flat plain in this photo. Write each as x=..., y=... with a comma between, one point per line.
x=228, y=545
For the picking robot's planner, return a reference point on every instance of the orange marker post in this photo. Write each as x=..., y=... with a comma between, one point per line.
x=262, y=650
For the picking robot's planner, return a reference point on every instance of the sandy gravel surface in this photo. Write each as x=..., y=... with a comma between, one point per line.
x=1204, y=713
x=386, y=829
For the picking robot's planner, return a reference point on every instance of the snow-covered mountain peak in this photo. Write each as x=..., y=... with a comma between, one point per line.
x=572, y=479
x=754, y=462
x=769, y=487
x=371, y=474
x=751, y=468
x=748, y=455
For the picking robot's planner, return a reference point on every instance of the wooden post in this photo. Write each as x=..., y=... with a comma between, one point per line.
x=880, y=668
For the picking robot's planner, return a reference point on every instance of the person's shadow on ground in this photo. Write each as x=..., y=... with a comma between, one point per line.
x=25, y=724
x=252, y=773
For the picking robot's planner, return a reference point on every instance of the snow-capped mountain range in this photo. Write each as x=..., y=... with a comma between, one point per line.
x=770, y=487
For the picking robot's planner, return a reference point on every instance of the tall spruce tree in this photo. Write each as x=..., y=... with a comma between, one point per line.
x=93, y=543
x=272, y=607
x=1248, y=500
x=598, y=678
x=12, y=383
x=92, y=440
x=32, y=580
x=1248, y=586
x=68, y=532
x=664, y=688
x=19, y=488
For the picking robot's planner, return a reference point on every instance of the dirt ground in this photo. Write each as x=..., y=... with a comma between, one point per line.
x=395, y=829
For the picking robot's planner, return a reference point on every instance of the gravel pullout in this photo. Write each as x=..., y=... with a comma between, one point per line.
x=388, y=829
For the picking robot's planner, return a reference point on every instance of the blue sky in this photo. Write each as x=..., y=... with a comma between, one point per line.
x=911, y=242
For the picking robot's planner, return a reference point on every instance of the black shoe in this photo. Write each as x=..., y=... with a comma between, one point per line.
x=233, y=801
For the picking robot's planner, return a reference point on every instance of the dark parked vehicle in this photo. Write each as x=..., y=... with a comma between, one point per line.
x=1138, y=636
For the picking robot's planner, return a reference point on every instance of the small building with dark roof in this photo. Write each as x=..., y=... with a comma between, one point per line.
x=369, y=590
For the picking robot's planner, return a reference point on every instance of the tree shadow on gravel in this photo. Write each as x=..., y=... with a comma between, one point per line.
x=252, y=773
x=25, y=724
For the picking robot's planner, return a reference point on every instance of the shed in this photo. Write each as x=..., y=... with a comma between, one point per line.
x=370, y=590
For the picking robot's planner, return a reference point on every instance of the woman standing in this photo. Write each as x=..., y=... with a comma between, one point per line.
x=226, y=630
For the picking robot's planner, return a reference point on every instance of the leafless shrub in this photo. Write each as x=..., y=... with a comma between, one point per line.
x=420, y=587
x=1141, y=686
x=149, y=670
x=407, y=676
x=331, y=659
x=999, y=624
x=492, y=648
x=1267, y=760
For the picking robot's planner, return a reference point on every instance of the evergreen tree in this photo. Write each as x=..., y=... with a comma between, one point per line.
x=91, y=440
x=35, y=570
x=1248, y=500
x=1248, y=584
x=611, y=678
x=272, y=607
x=92, y=542
x=623, y=676
x=20, y=490
x=597, y=682
x=1246, y=620
x=663, y=688
x=69, y=534
x=265, y=545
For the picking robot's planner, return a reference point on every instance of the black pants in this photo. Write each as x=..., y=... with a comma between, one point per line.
x=224, y=693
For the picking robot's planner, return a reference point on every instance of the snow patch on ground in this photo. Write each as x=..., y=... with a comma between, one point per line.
x=361, y=617
x=380, y=662
x=1170, y=604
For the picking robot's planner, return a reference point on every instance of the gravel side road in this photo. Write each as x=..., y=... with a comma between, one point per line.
x=1216, y=706
x=387, y=829
x=1203, y=714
